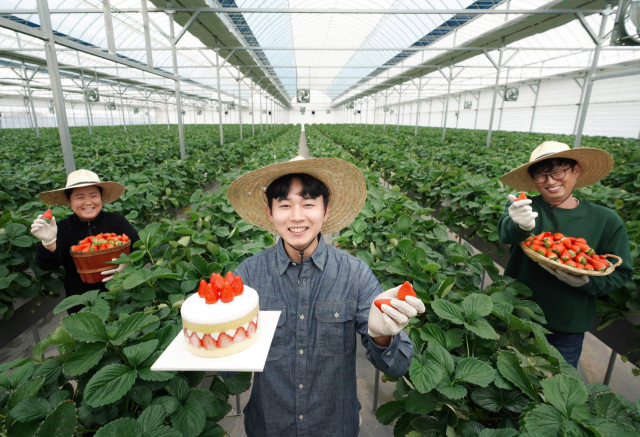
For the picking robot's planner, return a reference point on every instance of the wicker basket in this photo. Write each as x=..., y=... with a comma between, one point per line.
x=90, y=265
x=543, y=260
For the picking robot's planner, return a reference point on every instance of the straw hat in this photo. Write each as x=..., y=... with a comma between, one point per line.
x=346, y=185
x=111, y=191
x=595, y=164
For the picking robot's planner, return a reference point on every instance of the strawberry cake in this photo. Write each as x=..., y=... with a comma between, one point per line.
x=222, y=318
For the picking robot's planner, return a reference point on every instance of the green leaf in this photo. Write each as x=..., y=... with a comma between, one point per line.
x=389, y=412
x=85, y=327
x=564, y=393
x=504, y=432
x=476, y=305
x=61, y=422
x=109, y=384
x=138, y=353
x=451, y=389
x=238, y=383
x=133, y=325
x=100, y=308
x=179, y=388
x=441, y=356
x=189, y=419
x=366, y=257
x=448, y=311
x=398, y=269
x=608, y=428
x=84, y=358
x=445, y=287
x=25, y=391
x=359, y=226
x=430, y=332
x=145, y=372
x=420, y=403
x=403, y=247
x=542, y=419
x=136, y=278
x=151, y=418
x=404, y=222
x=482, y=329
x=124, y=427
x=494, y=399
x=31, y=409
x=425, y=375
x=474, y=371
x=415, y=257
x=169, y=403
x=509, y=366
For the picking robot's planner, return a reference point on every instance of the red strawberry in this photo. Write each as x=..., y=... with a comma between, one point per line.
x=589, y=267
x=218, y=282
x=571, y=263
x=380, y=302
x=558, y=236
x=208, y=342
x=565, y=256
x=252, y=329
x=210, y=295
x=522, y=196
x=194, y=340
x=224, y=340
x=551, y=255
x=48, y=215
x=227, y=294
x=237, y=286
x=229, y=277
x=566, y=242
x=202, y=288
x=406, y=290
x=241, y=334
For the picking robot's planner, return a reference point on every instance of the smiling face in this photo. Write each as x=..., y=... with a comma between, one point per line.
x=86, y=202
x=298, y=219
x=558, y=190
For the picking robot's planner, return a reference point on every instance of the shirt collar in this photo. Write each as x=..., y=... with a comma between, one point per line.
x=319, y=257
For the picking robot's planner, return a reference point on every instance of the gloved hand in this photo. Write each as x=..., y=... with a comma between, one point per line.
x=46, y=232
x=394, y=318
x=119, y=269
x=574, y=281
x=521, y=213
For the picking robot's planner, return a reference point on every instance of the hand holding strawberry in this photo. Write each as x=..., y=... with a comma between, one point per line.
x=46, y=232
x=521, y=212
x=391, y=311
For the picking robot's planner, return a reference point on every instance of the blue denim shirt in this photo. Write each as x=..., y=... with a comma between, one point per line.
x=308, y=386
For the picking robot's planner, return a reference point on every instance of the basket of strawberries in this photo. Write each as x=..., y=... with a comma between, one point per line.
x=91, y=254
x=569, y=254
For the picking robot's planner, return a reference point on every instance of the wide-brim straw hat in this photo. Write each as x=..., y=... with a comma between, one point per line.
x=595, y=164
x=346, y=185
x=111, y=191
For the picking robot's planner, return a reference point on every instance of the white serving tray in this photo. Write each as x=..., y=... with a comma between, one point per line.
x=252, y=359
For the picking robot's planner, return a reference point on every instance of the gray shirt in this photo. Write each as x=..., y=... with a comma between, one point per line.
x=308, y=387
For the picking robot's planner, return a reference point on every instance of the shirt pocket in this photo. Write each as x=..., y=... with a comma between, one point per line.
x=277, y=345
x=336, y=333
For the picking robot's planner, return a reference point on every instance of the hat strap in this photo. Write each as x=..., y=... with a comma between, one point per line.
x=84, y=182
x=546, y=154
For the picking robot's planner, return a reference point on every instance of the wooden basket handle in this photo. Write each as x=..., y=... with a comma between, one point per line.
x=614, y=256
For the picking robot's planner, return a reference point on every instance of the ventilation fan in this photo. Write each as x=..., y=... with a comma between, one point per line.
x=111, y=106
x=231, y=105
x=303, y=95
x=199, y=112
x=313, y=112
x=393, y=111
x=467, y=105
x=136, y=110
x=626, y=31
x=328, y=111
x=91, y=95
x=350, y=105
x=226, y=112
x=511, y=94
x=52, y=110
x=146, y=113
x=385, y=109
x=269, y=112
x=359, y=111
x=302, y=110
x=182, y=112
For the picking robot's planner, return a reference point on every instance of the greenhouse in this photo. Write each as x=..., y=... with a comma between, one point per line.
x=312, y=218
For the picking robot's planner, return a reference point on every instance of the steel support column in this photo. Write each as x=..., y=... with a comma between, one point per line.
x=174, y=57
x=219, y=96
x=33, y=109
x=147, y=35
x=446, y=102
x=535, y=104
x=504, y=94
x=56, y=86
x=253, y=128
x=495, y=91
x=415, y=131
x=582, y=90
x=239, y=103
x=108, y=26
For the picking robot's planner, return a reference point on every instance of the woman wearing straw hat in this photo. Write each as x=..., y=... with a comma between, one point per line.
x=86, y=195
x=325, y=296
x=568, y=301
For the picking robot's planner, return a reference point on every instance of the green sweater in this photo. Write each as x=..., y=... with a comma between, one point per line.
x=568, y=309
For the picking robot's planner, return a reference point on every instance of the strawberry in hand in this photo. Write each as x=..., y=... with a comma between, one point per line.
x=48, y=215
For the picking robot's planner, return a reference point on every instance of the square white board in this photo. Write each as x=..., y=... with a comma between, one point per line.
x=252, y=359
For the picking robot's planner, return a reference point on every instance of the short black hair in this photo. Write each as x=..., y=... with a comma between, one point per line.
x=69, y=191
x=549, y=164
x=312, y=188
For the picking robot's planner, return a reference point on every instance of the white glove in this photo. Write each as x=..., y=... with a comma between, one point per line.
x=522, y=213
x=394, y=318
x=574, y=281
x=119, y=269
x=46, y=232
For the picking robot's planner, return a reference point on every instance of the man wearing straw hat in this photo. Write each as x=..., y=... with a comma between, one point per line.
x=568, y=301
x=86, y=195
x=308, y=387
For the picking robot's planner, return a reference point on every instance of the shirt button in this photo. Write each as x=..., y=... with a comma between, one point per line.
x=294, y=264
x=389, y=353
x=301, y=417
x=301, y=352
x=336, y=315
x=301, y=386
x=301, y=316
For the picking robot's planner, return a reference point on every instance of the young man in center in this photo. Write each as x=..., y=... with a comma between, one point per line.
x=308, y=386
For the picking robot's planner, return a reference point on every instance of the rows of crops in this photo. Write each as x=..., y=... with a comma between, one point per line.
x=482, y=365
x=463, y=174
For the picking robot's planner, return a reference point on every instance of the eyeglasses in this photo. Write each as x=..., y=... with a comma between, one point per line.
x=556, y=175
